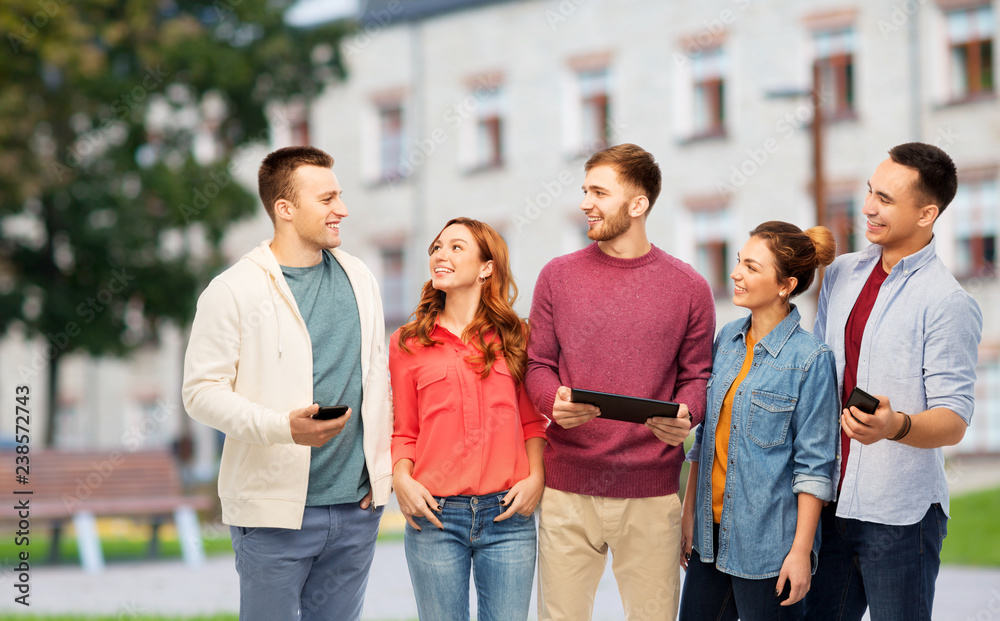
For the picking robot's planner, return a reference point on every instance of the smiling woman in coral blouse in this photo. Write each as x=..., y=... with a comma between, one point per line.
x=467, y=442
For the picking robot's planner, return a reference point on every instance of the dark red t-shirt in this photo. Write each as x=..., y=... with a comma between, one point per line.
x=853, y=333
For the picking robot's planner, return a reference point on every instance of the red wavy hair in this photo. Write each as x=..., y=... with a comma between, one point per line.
x=495, y=315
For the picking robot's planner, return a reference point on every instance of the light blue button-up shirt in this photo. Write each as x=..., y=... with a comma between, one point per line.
x=920, y=348
x=783, y=442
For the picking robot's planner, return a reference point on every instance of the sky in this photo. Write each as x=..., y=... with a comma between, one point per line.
x=306, y=12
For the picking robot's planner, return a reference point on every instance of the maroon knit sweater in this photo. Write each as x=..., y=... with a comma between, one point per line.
x=641, y=327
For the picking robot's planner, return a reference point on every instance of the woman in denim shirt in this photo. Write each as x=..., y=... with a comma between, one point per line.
x=768, y=442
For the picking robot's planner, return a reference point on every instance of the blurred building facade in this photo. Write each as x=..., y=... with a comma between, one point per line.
x=489, y=109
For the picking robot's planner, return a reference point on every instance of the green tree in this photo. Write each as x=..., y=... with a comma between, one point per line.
x=121, y=123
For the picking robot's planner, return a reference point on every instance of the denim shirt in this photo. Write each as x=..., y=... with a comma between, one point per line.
x=919, y=348
x=785, y=430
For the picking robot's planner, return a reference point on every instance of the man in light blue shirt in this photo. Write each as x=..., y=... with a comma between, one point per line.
x=903, y=329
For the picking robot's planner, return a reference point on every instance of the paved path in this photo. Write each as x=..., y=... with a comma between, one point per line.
x=168, y=587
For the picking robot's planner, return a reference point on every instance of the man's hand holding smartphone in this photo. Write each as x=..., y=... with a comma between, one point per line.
x=309, y=429
x=867, y=418
x=329, y=412
x=861, y=400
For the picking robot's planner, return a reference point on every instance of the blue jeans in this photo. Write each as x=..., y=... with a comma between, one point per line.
x=318, y=572
x=889, y=569
x=500, y=556
x=711, y=595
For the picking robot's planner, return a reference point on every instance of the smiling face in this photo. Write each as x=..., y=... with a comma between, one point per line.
x=606, y=205
x=456, y=261
x=755, y=278
x=317, y=210
x=897, y=217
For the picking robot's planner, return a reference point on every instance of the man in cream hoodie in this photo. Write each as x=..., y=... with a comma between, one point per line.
x=296, y=324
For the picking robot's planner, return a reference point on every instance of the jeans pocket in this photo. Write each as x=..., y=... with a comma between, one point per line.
x=247, y=531
x=942, y=521
x=420, y=521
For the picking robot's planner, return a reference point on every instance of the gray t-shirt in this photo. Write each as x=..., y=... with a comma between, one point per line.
x=337, y=472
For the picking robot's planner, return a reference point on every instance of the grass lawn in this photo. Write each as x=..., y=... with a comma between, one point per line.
x=116, y=547
x=122, y=542
x=119, y=617
x=973, y=540
x=974, y=531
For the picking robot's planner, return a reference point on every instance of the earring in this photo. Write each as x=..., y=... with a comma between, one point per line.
x=781, y=294
x=481, y=280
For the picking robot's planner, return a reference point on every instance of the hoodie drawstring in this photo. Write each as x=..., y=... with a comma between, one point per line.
x=277, y=318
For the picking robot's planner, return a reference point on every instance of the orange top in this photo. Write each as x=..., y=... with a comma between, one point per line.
x=464, y=434
x=722, y=433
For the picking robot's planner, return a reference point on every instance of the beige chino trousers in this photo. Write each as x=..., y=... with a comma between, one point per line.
x=575, y=533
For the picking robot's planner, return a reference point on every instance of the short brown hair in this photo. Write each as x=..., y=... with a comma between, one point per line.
x=796, y=252
x=275, y=175
x=937, y=181
x=637, y=171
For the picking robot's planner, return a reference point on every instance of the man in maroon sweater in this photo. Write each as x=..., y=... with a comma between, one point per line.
x=619, y=316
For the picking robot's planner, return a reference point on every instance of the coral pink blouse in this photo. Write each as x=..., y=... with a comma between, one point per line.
x=464, y=434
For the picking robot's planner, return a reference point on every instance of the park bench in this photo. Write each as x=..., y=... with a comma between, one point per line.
x=81, y=486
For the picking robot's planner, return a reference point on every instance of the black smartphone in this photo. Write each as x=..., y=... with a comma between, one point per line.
x=862, y=400
x=327, y=412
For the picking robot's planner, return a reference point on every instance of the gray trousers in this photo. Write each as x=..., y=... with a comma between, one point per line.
x=318, y=572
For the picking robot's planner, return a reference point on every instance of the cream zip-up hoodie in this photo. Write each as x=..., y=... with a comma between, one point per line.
x=249, y=363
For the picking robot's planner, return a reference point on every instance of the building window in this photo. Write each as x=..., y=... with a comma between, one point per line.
x=970, y=41
x=300, y=132
x=842, y=218
x=976, y=206
x=835, y=59
x=489, y=128
x=712, y=258
x=707, y=71
x=390, y=126
x=595, y=109
x=983, y=435
x=393, y=286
